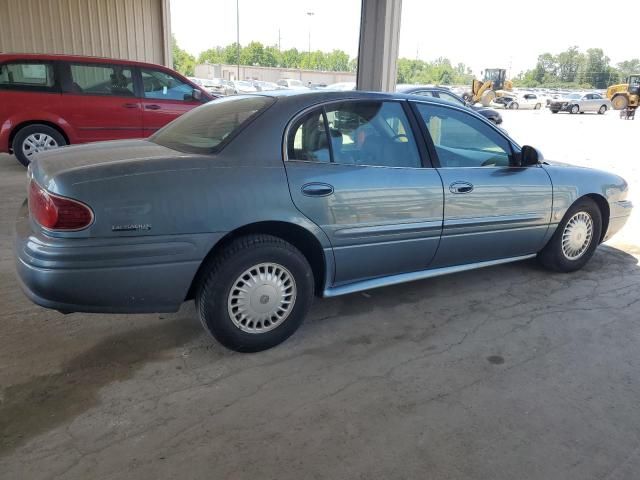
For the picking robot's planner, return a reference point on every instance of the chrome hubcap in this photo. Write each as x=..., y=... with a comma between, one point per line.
x=262, y=298
x=38, y=142
x=577, y=235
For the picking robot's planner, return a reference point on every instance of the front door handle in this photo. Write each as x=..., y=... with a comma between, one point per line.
x=152, y=107
x=461, y=187
x=317, y=189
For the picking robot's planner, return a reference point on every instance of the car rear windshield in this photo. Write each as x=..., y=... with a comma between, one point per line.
x=204, y=129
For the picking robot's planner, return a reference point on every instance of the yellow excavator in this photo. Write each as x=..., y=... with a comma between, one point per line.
x=626, y=96
x=495, y=84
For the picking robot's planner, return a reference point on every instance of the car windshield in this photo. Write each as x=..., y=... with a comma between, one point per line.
x=575, y=96
x=203, y=129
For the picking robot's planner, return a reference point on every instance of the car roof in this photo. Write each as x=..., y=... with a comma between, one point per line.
x=75, y=58
x=310, y=97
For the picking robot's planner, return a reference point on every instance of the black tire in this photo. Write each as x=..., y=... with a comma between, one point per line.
x=555, y=111
x=602, y=110
x=574, y=109
x=514, y=106
x=220, y=276
x=552, y=255
x=538, y=106
x=34, y=129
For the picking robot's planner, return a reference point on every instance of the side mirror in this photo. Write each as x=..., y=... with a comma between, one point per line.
x=196, y=94
x=529, y=156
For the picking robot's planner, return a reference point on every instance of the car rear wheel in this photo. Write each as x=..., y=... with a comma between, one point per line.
x=575, y=238
x=34, y=139
x=575, y=109
x=602, y=110
x=255, y=293
x=538, y=106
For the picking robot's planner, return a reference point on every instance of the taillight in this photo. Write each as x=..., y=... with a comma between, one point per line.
x=55, y=212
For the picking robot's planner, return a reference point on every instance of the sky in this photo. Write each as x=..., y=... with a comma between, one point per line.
x=481, y=36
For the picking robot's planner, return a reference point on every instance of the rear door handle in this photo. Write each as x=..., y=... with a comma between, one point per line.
x=317, y=189
x=152, y=107
x=130, y=105
x=461, y=187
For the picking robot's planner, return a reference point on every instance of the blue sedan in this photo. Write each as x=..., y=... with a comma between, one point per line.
x=253, y=204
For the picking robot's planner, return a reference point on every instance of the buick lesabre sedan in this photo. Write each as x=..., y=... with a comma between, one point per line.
x=252, y=204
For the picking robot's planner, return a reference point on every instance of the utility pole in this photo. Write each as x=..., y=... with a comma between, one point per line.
x=310, y=14
x=238, y=36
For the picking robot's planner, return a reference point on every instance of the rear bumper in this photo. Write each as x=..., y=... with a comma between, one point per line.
x=117, y=275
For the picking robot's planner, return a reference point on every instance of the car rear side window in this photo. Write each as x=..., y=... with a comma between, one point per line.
x=308, y=139
x=114, y=80
x=371, y=133
x=27, y=75
x=204, y=129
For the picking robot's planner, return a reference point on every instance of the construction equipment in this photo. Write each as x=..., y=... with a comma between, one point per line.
x=626, y=96
x=495, y=84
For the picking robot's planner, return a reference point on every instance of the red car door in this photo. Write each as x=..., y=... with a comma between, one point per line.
x=164, y=98
x=99, y=101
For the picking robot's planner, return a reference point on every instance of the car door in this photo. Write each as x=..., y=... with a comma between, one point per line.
x=492, y=210
x=356, y=170
x=164, y=98
x=99, y=101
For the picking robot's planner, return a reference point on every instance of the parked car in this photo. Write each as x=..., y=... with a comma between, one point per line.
x=292, y=84
x=47, y=101
x=439, y=92
x=243, y=86
x=515, y=101
x=341, y=86
x=266, y=86
x=215, y=86
x=251, y=204
x=580, y=103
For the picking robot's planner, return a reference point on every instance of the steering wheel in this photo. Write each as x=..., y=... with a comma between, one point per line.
x=399, y=136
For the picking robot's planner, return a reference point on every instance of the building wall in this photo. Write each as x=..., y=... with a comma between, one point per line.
x=126, y=29
x=271, y=74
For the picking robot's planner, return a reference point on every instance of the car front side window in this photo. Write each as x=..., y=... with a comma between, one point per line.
x=450, y=98
x=159, y=85
x=462, y=140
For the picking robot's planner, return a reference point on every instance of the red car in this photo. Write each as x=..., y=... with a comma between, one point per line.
x=47, y=101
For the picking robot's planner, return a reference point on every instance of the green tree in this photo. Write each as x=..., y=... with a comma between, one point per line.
x=290, y=58
x=213, y=56
x=230, y=54
x=628, y=67
x=568, y=63
x=272, y=57
x=337, y=61
x=252, y=54
x=183, y=61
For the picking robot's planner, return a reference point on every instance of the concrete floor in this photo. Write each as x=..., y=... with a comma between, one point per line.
x=503, y=373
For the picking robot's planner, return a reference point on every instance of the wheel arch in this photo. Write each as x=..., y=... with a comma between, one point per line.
x=27, y=123
x=298, y=236
x=605, y=211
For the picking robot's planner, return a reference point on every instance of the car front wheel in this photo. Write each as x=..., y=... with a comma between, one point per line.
x=255, y=293
x=575, y=238
x=34, y=139
x=575, y=109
